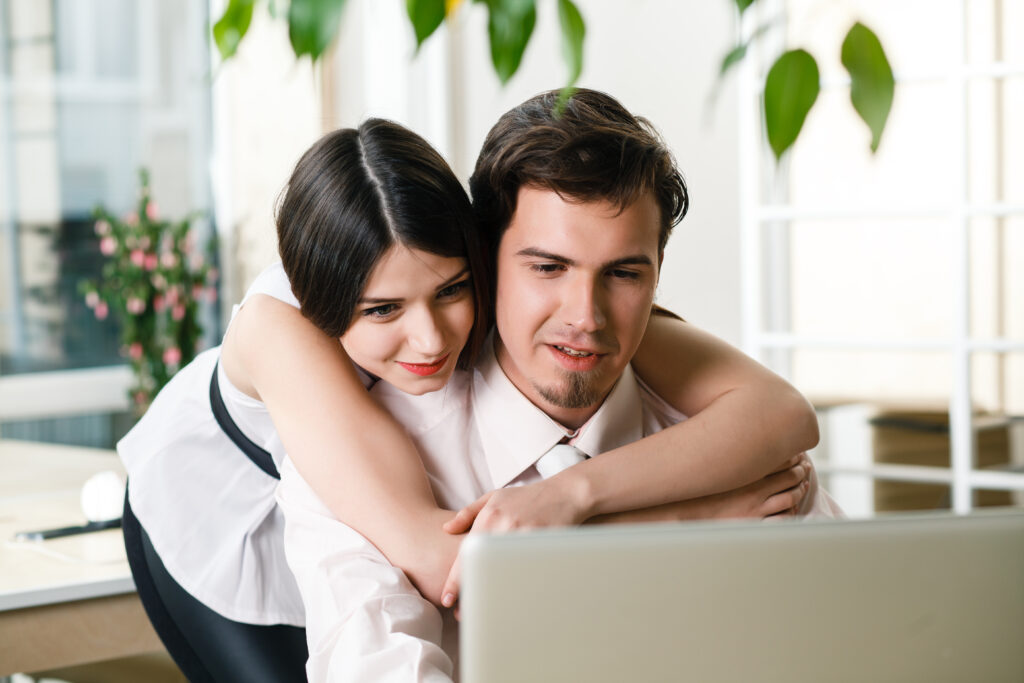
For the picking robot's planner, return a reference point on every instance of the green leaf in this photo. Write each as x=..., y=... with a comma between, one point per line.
x=733, y=58
x=232, y=26
x=871, y=82
x=789, y=93
x=425, y=16
x=312, y=25
x=573, y=32
x=744, y=4
x=509, y=25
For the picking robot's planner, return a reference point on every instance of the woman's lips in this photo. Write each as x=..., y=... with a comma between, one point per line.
x=425, y=369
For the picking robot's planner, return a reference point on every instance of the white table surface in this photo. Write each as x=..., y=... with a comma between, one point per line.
x=40, y=487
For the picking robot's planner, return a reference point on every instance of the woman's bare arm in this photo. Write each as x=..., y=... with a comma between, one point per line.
x=745, y=423
x=356, y=457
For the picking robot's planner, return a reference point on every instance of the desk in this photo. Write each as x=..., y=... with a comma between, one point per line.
x=72, y=600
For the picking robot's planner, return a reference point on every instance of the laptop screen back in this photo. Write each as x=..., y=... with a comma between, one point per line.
x=923, y=598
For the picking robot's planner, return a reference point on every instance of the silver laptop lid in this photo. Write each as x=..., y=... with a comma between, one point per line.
x=921, y=598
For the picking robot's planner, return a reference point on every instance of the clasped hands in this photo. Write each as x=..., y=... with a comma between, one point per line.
x=555, y=502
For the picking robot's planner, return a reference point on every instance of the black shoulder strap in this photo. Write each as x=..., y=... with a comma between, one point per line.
x=260, y=457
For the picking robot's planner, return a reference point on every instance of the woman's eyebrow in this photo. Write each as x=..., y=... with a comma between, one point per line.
x=396, y=299
x=453, y=278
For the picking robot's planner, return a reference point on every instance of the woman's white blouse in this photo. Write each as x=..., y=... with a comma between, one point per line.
x=209, y=511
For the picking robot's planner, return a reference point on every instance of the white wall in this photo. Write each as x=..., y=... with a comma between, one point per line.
x=660, y=57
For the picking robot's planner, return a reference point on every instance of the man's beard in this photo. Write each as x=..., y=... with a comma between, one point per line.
x=580, y=390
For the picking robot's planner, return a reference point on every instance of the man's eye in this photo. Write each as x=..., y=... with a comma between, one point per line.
x=547, y=267
x=453, y=290
x=380, y=311
x=624, y=274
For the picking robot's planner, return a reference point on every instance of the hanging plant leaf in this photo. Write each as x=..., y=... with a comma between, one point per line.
x=790, y=91
x=232, y=27
x=509, y=26
x=573, y=32
x=425, y=16
x=313, y=25
x=744, y=4
x=734, y=57
x=871, y=80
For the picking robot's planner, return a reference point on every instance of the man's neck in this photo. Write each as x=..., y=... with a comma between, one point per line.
x=569, y=418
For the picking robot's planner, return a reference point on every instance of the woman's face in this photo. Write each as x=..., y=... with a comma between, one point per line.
x=413, y=319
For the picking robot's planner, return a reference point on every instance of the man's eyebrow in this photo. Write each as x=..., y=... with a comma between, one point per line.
x=394, y=300
x=634, y=260
x=546, y=255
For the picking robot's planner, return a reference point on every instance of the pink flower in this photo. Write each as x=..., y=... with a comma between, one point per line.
x=135, y=305
x=172, y=356
x=140, y=398
x=158, y=303
x=151, y=261
x=196, y=261
x=144, y=242
x=211, y=295
x=159, y=281
x=108, y=245
x=211, y=275
x=135, y=351
x=102, y=227
x=173, y=294
x=197, y=292
x=92, y=299
x=131, y=218
x=101, y=310
x=138, y=257
x=178, y=312
x=168, y=260
x=151, y=211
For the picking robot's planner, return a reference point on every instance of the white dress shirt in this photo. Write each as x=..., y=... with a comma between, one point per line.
x=364, y=620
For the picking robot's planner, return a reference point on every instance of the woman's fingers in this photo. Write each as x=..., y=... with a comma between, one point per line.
x=463, y=520
x=450, y=592
x=785, y=489
x=786, y=502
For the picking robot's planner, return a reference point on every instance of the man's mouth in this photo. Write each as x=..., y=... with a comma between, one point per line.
x=575, y=360
x=576, y=353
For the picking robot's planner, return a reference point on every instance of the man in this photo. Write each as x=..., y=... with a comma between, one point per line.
x=576, y=209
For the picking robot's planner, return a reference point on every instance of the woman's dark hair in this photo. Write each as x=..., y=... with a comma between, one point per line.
x=353, y=195
x=591, y=148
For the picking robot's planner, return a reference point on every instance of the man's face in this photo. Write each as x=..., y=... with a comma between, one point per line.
x=575, y=285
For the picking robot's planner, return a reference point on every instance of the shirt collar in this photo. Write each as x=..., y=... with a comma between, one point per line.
x=515, y=433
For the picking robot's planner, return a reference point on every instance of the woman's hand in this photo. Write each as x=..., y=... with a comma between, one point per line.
x=547, y=503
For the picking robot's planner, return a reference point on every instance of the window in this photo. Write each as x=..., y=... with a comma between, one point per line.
x=885, y=286
x=90, y=92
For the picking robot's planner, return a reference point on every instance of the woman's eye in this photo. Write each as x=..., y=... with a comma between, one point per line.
x=380, y=311
x=453, y=290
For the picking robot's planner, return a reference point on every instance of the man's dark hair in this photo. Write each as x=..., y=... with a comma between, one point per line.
x=591, y=149
x=353, y=195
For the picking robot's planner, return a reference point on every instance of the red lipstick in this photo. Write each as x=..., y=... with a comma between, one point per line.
x=425, y=369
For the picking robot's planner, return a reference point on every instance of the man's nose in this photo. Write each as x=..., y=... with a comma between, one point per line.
x=425, y=332
x=583, y=306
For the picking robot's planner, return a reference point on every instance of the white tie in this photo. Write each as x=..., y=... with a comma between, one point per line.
x=558, y=458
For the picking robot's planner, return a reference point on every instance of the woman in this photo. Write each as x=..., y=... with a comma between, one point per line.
x=363, y=210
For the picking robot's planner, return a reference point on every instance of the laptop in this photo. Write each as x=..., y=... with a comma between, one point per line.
x=925, y=598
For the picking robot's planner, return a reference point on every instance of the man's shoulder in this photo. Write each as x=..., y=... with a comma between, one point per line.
x=425, y=411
